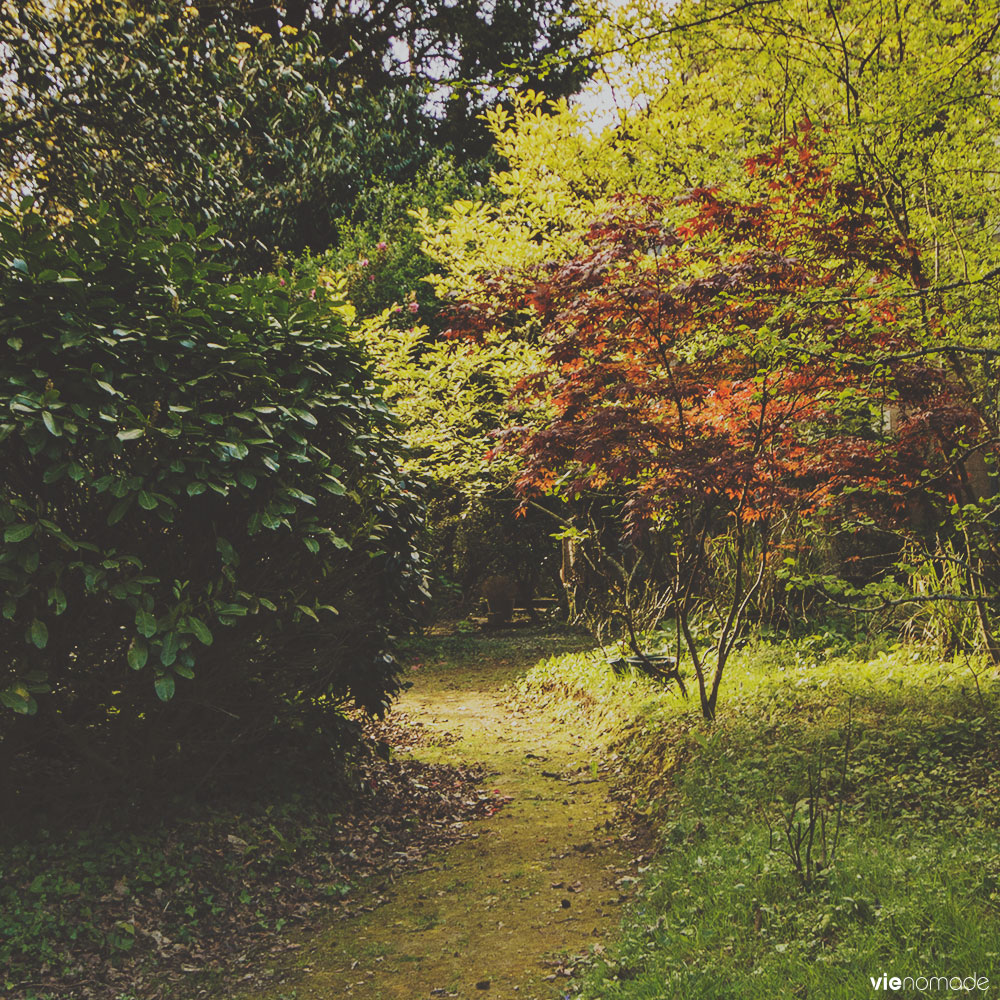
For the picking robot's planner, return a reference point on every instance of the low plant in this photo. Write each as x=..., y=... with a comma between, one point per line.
x=810, y=818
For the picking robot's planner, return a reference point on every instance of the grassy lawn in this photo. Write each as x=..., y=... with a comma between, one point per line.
x=894, y=754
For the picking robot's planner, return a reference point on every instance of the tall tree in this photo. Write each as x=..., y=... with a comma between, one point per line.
x=274, y=133
x=908, y=94
x=460, y=52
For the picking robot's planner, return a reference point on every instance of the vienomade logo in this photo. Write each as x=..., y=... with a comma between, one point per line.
x=954, y=983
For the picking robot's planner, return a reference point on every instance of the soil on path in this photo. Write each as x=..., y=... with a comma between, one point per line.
x=501, y=914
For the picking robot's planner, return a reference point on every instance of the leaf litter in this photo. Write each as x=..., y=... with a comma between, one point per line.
x=219, y=900
x=435, y=879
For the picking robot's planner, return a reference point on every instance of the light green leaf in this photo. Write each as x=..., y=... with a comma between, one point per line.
x=138, y=654
x=18, y=532
x=165, y=686
x=18, y=698
x=57, y=598
x=200, y=629
x=230, y=609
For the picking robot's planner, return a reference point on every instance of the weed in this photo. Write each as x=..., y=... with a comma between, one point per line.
x=804, y=819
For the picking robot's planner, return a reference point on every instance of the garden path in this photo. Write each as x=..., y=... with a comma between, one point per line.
x=501, y=914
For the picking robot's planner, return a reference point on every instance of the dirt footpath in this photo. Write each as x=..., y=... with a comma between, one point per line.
x=501, y=914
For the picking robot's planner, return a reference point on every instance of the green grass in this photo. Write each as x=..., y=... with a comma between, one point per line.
x=724, y=911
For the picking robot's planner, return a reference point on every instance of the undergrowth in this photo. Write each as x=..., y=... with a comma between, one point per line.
x=839, y=820
x=128, y=907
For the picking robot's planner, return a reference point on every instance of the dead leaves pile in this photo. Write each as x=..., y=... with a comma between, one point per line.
x=202, y=901
x=404, y=733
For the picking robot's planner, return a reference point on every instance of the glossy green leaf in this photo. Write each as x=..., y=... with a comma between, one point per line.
x=39, y=633
x=168, y=649
x=200, y=630
x=138, y=654
x=18, y=532
x=50, y=423
x=145, y=623
x=165, y=687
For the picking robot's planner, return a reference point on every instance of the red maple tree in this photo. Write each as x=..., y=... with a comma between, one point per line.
x=762, y=358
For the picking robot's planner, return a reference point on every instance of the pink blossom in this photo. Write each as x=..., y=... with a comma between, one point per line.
x=281, y=281
x=312, y=294
x=414, y=306
x=363, y=262
x=382, y=246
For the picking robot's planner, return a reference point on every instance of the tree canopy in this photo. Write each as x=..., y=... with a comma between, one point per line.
x=907, y=95
x=277, y=123
x=459, y=53
x=759, y=362
x=905, y=101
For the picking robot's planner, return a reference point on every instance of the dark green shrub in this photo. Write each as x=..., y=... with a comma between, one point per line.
x=205, y=535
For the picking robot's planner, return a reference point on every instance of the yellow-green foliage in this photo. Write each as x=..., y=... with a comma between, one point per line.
x=907, y=97
x=558, y=176
x=449, y=395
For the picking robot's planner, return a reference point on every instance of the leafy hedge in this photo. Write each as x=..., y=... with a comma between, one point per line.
x=205, y=534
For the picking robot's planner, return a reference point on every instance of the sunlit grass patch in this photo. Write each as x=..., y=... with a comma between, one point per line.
x=585, y=683
x=722, y=916
x=839, y=820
